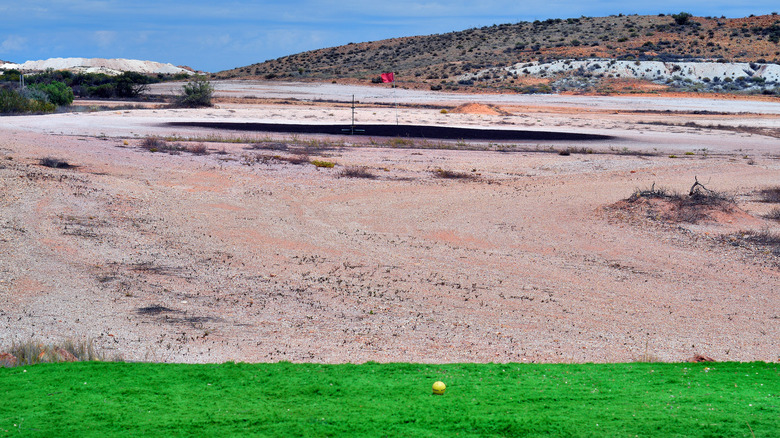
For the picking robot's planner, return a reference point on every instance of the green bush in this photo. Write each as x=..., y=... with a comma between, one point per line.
x=322, y=163
x=101, y=85
x=105, y=91
x=12, y=101
x=34, y=94
x=196, y=93
x=11, y=75
x=57, y=92
x=131, y=84
x=682, y=18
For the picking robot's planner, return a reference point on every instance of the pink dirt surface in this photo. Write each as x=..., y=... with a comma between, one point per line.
x=185, y=258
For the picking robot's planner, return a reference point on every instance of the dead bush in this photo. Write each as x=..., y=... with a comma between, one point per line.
x=54, y=163
x=356, y=172
x=770, y=194
x=271, y=146
x=271, y=159
x=764, y=237
x=700, y=358
x=765, y=241
x=198, y=149
x=152, y=144
x=31, y=352
x=651, y=193
x=451, y=174
x=773, y=214
x=156, y=144
x=696, y=206
x=293, y=159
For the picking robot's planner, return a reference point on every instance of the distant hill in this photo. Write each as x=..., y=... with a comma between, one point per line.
x=444, y=60
x=97, y=65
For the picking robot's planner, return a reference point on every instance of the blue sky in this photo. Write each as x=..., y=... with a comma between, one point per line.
x=218, y=35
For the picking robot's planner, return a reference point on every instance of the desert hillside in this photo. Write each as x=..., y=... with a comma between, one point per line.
x=447, y=60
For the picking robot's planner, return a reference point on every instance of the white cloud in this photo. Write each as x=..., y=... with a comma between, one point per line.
x=104, y=38
x=13, y=44
x=143, y=37
x=217, y=35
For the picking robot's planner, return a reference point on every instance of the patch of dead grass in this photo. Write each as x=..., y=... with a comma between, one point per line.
x=663, y=205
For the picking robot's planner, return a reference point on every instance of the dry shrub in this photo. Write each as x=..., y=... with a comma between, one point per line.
x=651, y=193
x=698, y=205
x=270, y=159
x=698, y=358
x=765, y=242
x=30, y=352
x=156, y=144
x=770, y=194
x=55, y=163
x=356, y=172
x=198, y=149
x=451, y=174
x=773, y=214
x=764, y=237
x=153, y=144
x=293, y=159
x=271, y=146
x=7, y=360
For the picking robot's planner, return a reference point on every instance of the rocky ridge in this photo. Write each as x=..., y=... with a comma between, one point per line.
x=572, y=73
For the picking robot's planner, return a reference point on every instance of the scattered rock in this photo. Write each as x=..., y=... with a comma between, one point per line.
x=700, y=358
x=64, y=355
x=7, y=360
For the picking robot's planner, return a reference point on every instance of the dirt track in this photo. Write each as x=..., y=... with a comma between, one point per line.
x=232, y=256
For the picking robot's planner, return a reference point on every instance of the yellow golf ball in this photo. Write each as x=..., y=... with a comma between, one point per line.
x=439, y=387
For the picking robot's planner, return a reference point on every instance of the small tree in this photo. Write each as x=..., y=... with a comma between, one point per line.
x=57, y=92
x=196, y=93
x=682, y=18
x=11, y=75
x=131, y=84
x=24, y=101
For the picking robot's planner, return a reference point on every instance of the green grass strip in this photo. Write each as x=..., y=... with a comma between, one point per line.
x=481, y=400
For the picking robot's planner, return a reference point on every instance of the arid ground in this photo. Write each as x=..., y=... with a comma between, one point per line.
x=407, y=249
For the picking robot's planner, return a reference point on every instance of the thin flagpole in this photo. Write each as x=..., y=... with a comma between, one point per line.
x=396, y=101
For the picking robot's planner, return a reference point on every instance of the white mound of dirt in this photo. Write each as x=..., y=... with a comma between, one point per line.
x=651, y=70
x=97, y=65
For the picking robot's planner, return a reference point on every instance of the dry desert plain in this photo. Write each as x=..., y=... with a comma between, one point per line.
x=523, y=255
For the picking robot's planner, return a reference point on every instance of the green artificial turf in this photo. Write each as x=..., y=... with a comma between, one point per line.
x=284, y=399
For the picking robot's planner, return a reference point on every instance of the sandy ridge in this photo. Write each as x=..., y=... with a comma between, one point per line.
x=97, y=65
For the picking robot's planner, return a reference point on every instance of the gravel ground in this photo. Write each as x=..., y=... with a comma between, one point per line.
x=240, y=255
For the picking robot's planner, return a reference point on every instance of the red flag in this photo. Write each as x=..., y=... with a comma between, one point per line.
x=388, y=77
